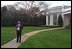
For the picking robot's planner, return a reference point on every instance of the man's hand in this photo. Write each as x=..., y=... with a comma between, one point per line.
x=18, y=28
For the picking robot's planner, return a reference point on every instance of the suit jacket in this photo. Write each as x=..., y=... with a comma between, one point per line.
x=21, y=26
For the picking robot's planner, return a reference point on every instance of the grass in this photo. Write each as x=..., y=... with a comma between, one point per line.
x=49, y=39
x=9, y=33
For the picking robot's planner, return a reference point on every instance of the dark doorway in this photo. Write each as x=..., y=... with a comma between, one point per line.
x=60, y=21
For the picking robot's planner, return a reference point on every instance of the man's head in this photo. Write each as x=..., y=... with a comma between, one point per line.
x=19, y=21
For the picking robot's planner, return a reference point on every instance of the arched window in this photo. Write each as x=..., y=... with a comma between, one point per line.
x=60, y=20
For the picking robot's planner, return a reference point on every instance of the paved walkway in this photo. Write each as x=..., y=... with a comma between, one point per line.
x=13, y=44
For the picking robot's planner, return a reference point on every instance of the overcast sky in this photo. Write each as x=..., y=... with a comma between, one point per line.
x=52, y=3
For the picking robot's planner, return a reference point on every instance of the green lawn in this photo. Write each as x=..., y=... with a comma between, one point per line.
x=49, y=39
x=9, y=33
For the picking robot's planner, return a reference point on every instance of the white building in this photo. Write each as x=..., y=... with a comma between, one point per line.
x=54, y=12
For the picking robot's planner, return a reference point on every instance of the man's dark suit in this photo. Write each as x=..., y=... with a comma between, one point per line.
x=19, y=32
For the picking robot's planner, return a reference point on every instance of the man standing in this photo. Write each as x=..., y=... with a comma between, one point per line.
x=19, y=28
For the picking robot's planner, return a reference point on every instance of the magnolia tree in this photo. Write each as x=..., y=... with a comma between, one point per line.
x=30, y=12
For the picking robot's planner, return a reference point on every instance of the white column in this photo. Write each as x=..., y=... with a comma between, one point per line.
x=51, y=19
x=63, y=15
x=57, y=18
x=46, y=19
x=63, y=19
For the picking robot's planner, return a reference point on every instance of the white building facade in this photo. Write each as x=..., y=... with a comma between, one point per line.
x=54, y=12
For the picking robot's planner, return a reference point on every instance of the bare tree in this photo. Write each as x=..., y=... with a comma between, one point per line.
x=33, y=6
